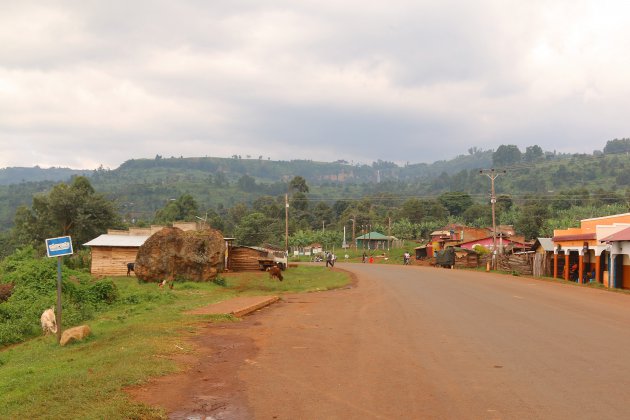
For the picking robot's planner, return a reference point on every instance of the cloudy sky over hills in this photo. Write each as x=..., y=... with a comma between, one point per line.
x=99, y=82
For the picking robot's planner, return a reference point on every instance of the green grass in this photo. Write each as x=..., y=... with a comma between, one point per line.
x=131, y=342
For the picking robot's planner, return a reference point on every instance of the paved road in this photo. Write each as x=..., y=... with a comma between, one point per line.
x=412, y=342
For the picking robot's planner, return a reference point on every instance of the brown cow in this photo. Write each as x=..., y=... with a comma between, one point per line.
x=275, y=272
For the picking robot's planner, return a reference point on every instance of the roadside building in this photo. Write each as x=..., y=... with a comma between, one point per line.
x=619, y=258
x=585, y=253
x=374, y=240
x=514, y=243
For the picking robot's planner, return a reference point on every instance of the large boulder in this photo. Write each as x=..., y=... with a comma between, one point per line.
x=172, y=254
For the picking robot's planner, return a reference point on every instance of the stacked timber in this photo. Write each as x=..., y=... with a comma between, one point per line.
x=466, y=260
x=516, y=263
x=244, y=259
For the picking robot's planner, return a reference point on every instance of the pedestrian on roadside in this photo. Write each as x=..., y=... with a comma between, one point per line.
x=364, y=257
x=329, y=260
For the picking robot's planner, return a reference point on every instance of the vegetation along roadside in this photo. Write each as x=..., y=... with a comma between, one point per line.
x=133, y=339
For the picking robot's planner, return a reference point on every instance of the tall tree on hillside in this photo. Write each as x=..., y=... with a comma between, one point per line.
x=506, y=155
x=183, y=208
x=456, y=202
x=75, y=210
x=617, y=146
x=533, y=153
x=417, y=210
x=298, y=184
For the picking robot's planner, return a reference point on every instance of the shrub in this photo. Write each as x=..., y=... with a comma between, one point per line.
x=35, y=289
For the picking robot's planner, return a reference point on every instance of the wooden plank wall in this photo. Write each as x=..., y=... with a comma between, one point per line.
x=244, y=259
x=112, y=261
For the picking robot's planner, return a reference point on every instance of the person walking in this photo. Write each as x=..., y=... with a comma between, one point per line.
x=329, y=260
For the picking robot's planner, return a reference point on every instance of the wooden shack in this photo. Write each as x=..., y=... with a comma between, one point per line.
x=542, y=263
x=112, y=252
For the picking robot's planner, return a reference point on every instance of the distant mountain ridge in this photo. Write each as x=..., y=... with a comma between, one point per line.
x=17, y=175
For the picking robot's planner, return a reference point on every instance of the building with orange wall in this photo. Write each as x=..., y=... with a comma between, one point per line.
x=582, y=254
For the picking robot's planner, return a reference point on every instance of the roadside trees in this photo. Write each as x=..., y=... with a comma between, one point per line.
x=73, y=209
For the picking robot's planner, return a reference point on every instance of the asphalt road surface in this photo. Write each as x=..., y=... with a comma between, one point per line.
x=416, y=343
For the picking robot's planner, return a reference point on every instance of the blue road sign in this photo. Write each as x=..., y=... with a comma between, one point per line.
x=57, y=247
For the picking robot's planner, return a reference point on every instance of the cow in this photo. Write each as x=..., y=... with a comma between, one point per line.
x=275, y=271
x=49, y=321
x=130, y=267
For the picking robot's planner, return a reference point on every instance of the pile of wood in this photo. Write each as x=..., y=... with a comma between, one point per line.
x=516, y=263
x=244, y=259
x=466, y=260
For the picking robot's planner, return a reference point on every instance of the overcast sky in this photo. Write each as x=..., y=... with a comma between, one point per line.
x=89, y=83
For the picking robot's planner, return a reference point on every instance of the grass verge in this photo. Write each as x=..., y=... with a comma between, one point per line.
x=131, y=342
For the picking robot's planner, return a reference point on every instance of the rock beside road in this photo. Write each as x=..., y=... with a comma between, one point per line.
x=172, y=253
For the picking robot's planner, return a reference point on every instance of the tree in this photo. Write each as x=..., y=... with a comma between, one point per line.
x=183, y=208
x=506, y=155
x=67, y=210
x=322, y=213
x=533, y=153
x=456, y=202
x=417, y=210
x=617, y=146
x=532, y=218
x=298, y=184
x=246, y=183
x=256, y=229
x=478, y=215
x=268, y=206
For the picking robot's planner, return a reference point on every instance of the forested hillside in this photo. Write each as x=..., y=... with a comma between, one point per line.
x=539, y=191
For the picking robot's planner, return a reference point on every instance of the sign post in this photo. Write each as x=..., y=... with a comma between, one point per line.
x=58, y=247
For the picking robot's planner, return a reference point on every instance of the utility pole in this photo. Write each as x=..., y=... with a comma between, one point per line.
x=354, y=238
x=286, y=224
x=492, y=174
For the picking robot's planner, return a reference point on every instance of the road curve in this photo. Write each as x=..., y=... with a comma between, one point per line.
x=414, y=342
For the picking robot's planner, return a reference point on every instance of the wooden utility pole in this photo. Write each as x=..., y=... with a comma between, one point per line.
x=354, y=238
x=492, y=174
x=286, y=224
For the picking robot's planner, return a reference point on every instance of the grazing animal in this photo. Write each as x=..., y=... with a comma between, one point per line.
x=75, y=333
x=275, y=272
x=168, y=283
x=130, y=267
x=49, y=321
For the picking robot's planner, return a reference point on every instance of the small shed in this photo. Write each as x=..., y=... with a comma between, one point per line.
x=542, y=263
x=112, y=253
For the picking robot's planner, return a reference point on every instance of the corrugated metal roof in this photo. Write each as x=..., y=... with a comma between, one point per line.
x=545, y=243
x=373, y=236
x=118, y=240
x=622, y=235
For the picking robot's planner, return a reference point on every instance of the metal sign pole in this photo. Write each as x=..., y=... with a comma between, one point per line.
x=58, y=247
x=58, y=315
